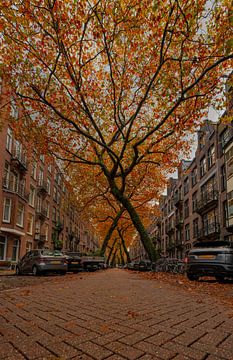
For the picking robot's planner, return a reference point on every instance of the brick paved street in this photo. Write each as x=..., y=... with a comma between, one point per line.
x=113, y=315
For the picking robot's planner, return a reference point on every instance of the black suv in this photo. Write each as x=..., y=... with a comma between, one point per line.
x=214, y=258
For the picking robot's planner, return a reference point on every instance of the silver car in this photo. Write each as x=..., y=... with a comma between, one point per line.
x=41, y=261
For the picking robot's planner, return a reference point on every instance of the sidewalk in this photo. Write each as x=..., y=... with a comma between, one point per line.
x=114, y=315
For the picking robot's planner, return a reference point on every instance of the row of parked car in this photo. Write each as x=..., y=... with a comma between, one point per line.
x=207, y=258
x=41, y=261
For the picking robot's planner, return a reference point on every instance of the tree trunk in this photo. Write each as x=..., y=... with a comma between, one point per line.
x=111, y=250
x=110, y=231
x=145, y=238
x=124, y=246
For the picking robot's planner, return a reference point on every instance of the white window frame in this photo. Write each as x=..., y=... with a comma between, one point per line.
x=5, y=247
x=31, y=218
x=21, y=222
x=9, y=139
x=32, y=196
x=7, y=220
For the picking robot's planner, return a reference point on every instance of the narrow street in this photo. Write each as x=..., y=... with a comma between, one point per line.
x=112, y=314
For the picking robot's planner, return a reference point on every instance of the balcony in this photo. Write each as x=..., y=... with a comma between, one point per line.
x=42, y=188
x=178, y=200
x=40, y=238
x=15, y=188
x=207, y=202
x=170, y=229
x=179, y=222
x=41, y=214
x=209, y=232
x=19, y=161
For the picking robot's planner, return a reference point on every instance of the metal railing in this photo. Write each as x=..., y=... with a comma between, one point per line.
x=15, y=188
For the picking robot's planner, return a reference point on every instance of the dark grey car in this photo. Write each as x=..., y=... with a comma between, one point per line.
x=210, y=259
x=41, y=261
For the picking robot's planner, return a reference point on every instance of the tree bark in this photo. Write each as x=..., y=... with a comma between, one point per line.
x=124, y=246
x=145, y=238
x=111, y=250
x=110, y=231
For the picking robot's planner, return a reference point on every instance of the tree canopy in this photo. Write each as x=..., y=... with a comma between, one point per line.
x=115, y=84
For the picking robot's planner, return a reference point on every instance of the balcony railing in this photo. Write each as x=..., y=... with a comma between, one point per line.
x=207, y=201
x=41, y=213
x=42, y=187
x=40, y=238
x=179, y=222
x=19, y=160
x=170, y=228
x=178, y=200
x=15, y=188
x=210, y=231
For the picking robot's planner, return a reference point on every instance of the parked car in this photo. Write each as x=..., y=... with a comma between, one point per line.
x=73, y=261
x=92, y=263
x=213, y=258
x=41, y=261
x=142, y=265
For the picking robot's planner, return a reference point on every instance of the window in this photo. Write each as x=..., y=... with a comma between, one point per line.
x=7, y=210
x=187, y=232
x=186, y=185
x=46, y=232
x=42, y=158
x=41, y=176
x=37, y=227
x=225, y=213
x=201, y=139
x=49, y=186
x=55, y=194
x=229, y=163
x=39, y=204
x=6, y=179
x=194, y=176
x=32, y=196
x=203, y=166
x=230, y=203
x=33, y=170
x=20, y=215
x=28, y=246
x=195, y=227
x=194, y=201
x=54, y=215
x=186, y=209
x=18, y=149
x=225, y=137
x=15, y=250
x=211, y=156
x=30, y=221
x=9, y=139
x=50, y=168
x=47, y=209
x=2, y=247
x=223, y=177
x=58, y=198
x=14, y=109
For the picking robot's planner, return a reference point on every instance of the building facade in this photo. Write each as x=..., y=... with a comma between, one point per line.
x=37, y=207
x=198, y=205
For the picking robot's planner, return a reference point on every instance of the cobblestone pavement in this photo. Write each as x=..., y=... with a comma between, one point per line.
x=112, y=314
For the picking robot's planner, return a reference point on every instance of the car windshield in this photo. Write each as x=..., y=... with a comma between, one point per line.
x=51, y=252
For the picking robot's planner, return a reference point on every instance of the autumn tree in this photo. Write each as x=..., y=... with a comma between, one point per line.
x=115, y=85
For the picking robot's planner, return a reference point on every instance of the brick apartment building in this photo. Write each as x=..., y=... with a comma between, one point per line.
x=198, y=205
x=37, y=207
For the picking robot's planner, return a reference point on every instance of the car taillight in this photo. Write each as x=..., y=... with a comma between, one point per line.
x=186, y=260
x=42, y=260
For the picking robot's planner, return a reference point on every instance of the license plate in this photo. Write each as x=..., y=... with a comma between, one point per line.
x=206, y=256
x=75, y=262
x=55, y=262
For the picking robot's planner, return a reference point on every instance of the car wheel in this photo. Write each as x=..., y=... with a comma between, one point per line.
x=219, y=278
x=192, y=277
x=35, y=271
x=17, y=271
x=63, y=272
